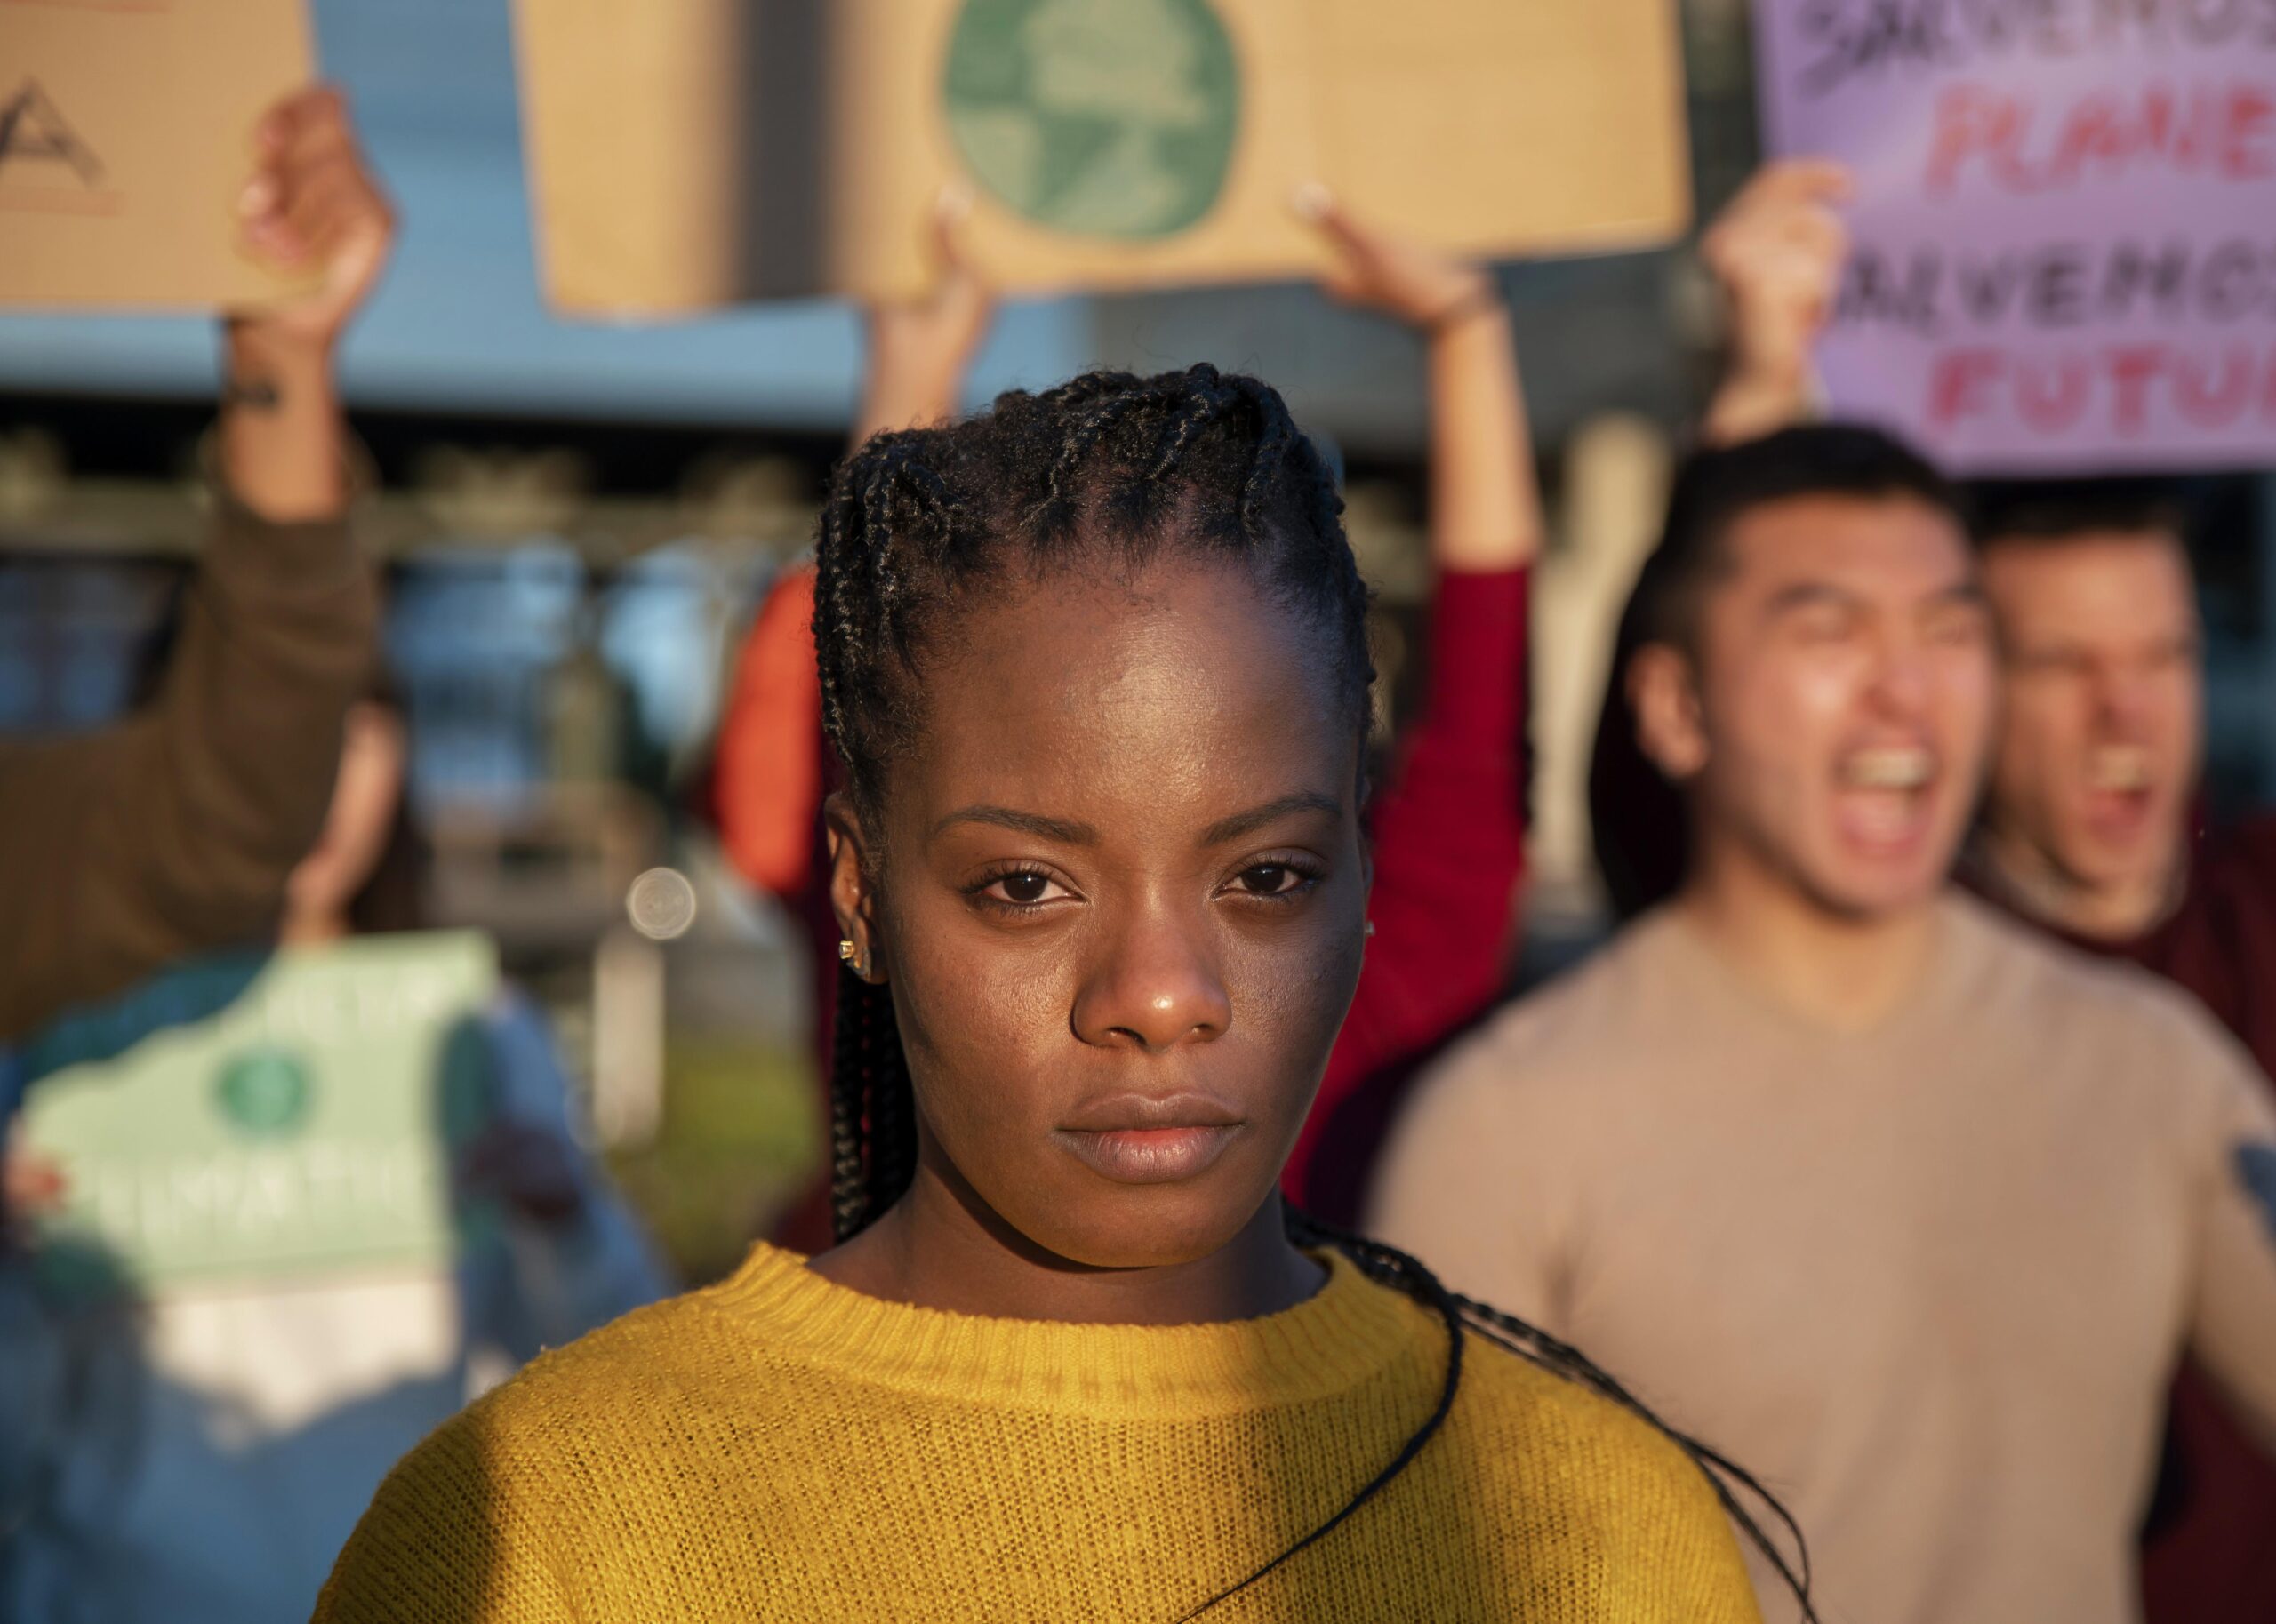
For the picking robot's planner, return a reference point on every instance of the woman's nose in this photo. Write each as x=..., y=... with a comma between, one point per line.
x=1155, y=986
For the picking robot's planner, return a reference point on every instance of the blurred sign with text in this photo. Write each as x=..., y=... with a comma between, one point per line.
x=2064, y=250
x=710, y=152
x=249, y=1117
x=125, y=137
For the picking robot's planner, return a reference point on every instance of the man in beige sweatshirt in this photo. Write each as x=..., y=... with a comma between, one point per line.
x=1908, y=1211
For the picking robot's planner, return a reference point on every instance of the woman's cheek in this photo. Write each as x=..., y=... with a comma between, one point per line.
x=1297, y=992
x=979, y=1015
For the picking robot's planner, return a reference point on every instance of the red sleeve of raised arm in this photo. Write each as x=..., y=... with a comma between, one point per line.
x=769, y=770
x=1449, y=843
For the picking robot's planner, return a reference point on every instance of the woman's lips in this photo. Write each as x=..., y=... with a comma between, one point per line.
x=1150, y=1139
x=1150, y=1155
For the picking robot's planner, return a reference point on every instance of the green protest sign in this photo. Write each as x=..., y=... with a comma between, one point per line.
x=1117, y=121
x=252, y=1117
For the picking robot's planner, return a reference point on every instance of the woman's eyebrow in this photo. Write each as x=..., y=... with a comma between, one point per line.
x=1026, y=823
x=1227, y=829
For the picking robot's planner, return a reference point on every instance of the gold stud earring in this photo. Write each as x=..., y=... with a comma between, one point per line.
x=845, y=949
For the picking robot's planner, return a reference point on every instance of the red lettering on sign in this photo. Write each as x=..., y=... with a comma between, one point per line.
x=2093, y=131
x=2131, y=371
x=2118, y=389
x=2244, y=153
x=1962, y=383
x=2209, y=405
x=1972, y=121
x=2226, y=131
x=2050, y=411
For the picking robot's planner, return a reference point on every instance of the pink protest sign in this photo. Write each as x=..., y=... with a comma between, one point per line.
x=2064, y=232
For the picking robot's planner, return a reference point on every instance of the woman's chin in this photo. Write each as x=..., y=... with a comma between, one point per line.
x=1147, y=1226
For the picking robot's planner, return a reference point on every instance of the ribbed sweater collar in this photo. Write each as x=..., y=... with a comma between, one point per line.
x=1348, y=1330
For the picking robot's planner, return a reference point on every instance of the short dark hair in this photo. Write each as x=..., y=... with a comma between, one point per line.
x=1639, y=823
x=1716, y=487
x=2049, y=512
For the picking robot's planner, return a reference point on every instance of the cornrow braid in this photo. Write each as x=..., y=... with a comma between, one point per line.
x=1108, y=469
x=1105, y=412
x=1465, y=1317
x=872, y=1110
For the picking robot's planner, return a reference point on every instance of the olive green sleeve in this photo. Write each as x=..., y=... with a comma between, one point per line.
x=173, y=832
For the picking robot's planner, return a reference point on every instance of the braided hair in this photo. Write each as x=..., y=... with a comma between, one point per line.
x=1109, y=469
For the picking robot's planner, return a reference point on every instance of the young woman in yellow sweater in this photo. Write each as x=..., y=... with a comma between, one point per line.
x=1096, y=660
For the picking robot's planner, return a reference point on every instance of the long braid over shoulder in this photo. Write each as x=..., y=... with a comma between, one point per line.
x=1103, y=473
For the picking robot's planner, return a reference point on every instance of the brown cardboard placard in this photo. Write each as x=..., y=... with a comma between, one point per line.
x=712, y=152
x=126, y=136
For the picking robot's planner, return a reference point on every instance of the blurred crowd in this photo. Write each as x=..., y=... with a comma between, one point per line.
x=1910, y=1140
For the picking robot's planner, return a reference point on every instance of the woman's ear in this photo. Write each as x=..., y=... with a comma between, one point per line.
x=1663, y=694
x=852, y=896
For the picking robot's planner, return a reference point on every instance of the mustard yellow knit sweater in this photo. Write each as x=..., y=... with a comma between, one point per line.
x=779, y=1447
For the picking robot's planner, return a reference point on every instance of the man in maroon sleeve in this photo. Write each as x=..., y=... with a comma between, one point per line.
x=2090, y=829
x=1448, y=825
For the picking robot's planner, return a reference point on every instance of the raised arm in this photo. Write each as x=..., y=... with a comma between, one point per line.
x=172, y=833
x=919, y=351
x=1485, y=506
x=1776, y=250
x=770, y=788
x=1449, y=827
x=312, y=205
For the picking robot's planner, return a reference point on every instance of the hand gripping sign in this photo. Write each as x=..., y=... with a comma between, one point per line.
x=126, y=131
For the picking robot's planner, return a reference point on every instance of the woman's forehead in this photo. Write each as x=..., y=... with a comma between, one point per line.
x=1169, y=689
x=1191, y=634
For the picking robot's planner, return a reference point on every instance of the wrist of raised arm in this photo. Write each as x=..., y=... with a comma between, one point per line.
x=899, y=394
x=1751, y=402
x=281, y=445
x=1480, y=316
x=254, y=355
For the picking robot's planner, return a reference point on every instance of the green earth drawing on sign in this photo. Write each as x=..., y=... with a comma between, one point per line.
x=1102, y=118
x=264, y=1092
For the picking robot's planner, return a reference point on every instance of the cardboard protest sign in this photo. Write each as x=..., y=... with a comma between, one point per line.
x=247, y=1118
x=2065, y=232
x=126, y=136
x=708, y=152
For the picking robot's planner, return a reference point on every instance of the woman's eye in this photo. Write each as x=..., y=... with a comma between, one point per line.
x=1022, y=888
x=1268, y=879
